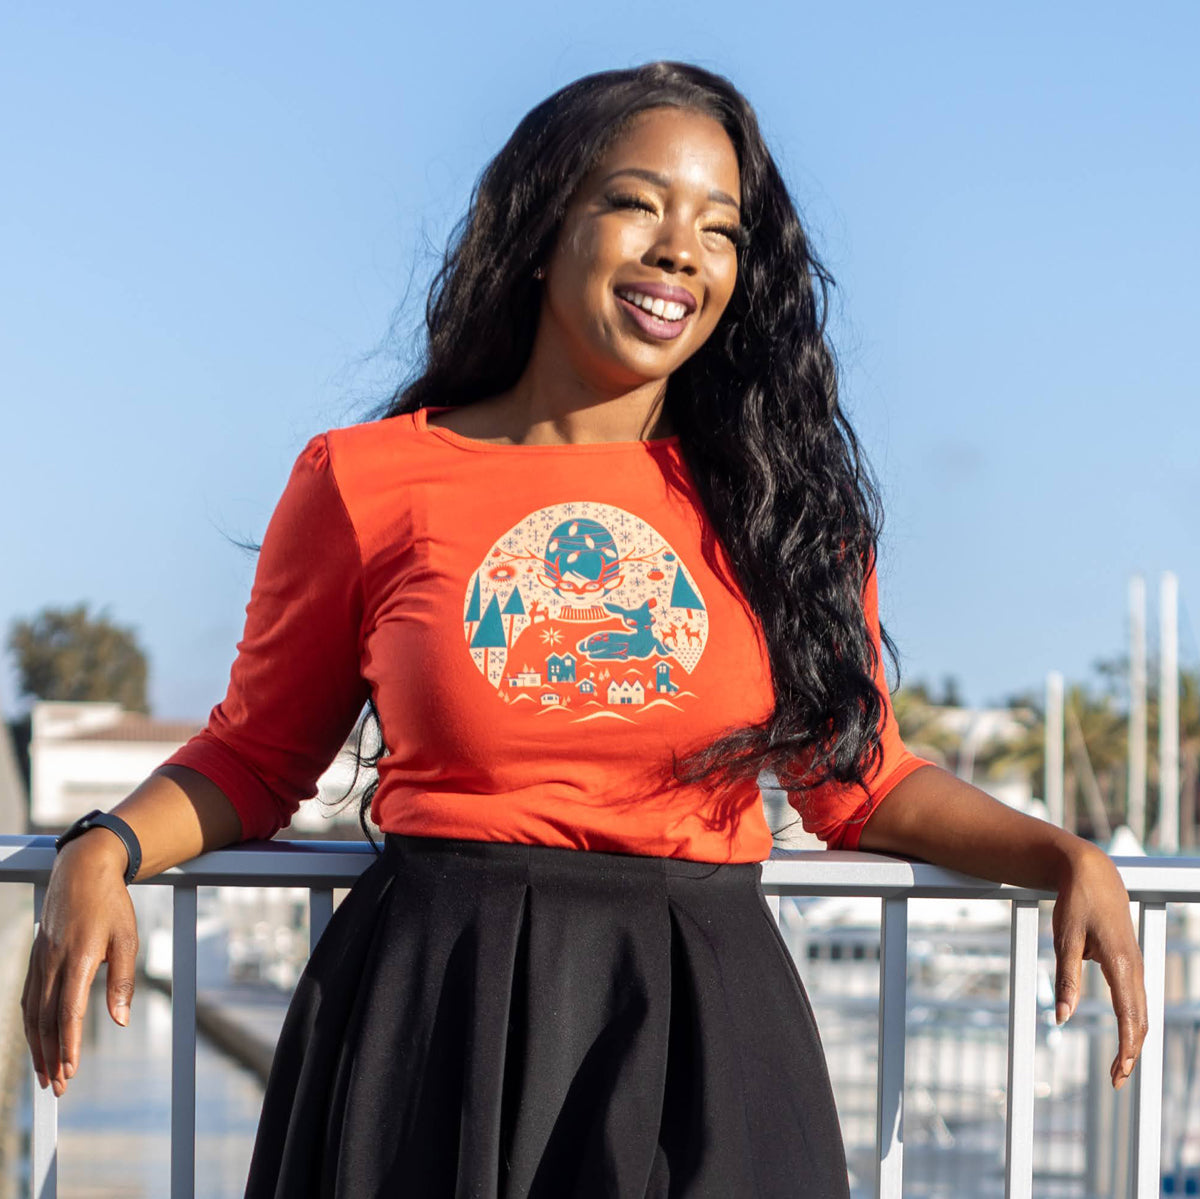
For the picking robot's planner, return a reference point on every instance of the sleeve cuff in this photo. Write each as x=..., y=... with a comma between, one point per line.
x=256, y=806
x=851, y=831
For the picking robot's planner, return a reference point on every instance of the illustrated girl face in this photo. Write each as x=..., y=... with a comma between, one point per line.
x=660, y=209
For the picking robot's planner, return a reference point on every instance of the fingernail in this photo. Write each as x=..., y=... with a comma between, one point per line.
x=1127, y=1065
x=69, y=1069
x=1062, y=1012
x=43, y=1081
x=123, y=1016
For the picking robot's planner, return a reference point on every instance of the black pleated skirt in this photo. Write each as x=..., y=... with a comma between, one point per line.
x=486, y=1020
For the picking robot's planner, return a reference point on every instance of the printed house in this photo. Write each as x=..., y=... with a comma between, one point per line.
x=560, y=668
x=626, y=693
x=526, y=678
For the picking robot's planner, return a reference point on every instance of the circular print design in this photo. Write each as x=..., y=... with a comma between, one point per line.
x=584, y=610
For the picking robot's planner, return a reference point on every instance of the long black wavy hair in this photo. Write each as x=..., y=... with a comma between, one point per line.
x=777, y=465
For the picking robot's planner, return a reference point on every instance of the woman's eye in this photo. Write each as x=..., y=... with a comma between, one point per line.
x=630, y=202
x=736, y=233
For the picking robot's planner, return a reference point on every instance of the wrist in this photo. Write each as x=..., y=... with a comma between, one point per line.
x=1077, y=854
x=101, y=848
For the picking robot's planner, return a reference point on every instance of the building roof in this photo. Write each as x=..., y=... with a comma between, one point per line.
x=133, y=726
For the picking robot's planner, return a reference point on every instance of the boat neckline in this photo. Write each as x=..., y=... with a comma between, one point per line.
x=422, y=425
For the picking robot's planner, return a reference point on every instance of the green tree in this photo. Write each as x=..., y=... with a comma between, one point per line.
x=918, y=716
x=70, y=654
x=1095, y=751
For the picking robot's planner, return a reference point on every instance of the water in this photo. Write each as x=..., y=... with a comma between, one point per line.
x=114, y=1120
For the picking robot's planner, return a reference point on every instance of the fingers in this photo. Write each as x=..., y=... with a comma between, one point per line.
x=122, y=961
x=72, y=1004
x=46, y=1029
x=30, y=1007
x=1068, y=957
x=1125, y=980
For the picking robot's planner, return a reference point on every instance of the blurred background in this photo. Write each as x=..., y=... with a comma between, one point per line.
x=218, y=226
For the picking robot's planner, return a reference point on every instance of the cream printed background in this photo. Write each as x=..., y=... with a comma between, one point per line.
x=583, y=610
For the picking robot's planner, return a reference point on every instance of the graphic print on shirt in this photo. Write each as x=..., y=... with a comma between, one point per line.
x=584, y=610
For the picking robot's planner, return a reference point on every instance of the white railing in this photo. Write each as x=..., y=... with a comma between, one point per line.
x=323, y=865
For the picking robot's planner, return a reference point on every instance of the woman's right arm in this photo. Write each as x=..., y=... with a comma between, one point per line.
x=88, y=917
x=295, y=691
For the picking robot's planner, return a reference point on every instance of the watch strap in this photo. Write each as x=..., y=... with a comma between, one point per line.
x=99, y=819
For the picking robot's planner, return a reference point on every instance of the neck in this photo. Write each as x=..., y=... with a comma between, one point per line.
x=554, y=402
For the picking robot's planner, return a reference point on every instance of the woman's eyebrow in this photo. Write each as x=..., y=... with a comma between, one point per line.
x=663, y=181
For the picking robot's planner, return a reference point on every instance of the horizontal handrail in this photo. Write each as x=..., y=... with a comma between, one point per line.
x=787, y=872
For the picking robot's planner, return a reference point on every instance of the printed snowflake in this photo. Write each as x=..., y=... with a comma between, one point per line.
x=551, y=636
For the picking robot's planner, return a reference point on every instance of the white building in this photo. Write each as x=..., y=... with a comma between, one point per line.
x=92, y=755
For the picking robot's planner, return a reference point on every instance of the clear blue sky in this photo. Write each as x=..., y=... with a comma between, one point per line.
x=210, y=214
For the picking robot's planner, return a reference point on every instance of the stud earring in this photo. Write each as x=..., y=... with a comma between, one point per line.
x=539, y=273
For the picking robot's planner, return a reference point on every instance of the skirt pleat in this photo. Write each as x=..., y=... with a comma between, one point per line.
x=486, y=1020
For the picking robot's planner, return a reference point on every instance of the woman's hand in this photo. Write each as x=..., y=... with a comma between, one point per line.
x=942, y=819
x=1091, y=920
x=87, y=918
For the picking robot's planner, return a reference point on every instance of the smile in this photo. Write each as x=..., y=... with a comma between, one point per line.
x=663, y=319
x=667, y=310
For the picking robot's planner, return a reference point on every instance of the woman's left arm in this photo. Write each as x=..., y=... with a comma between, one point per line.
x=938, y=818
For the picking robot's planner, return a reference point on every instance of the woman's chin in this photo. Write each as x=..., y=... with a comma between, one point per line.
x=649, y=360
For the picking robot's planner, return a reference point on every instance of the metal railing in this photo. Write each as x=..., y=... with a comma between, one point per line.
x=321, y=866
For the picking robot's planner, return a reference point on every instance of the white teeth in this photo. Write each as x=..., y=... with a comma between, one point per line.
x=664, y=309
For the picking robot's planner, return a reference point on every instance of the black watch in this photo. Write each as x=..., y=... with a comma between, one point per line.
x=98, y=819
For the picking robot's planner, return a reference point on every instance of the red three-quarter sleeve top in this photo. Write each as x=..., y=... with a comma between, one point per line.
x=539, y=627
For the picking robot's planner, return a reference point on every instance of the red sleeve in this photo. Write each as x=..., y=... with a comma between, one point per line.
x=836, y=812
x=295, y=690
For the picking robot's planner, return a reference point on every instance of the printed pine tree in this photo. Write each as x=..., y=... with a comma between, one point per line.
x=472, y=614
x=683, y=595
x=490, y=634
x=514, y=606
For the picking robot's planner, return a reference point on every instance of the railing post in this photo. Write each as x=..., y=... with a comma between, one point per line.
x=1147, y=1079
x=320, y=909
x=889, y=1092
x=1022, y=1040
x=44, y=1151
x=183, y=1041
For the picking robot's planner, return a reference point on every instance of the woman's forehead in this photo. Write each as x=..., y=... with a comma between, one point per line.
x=672, y=143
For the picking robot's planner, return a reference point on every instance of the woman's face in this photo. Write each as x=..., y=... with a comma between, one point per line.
x=653, y=225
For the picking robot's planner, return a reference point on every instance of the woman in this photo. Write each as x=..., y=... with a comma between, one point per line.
x=606, y=558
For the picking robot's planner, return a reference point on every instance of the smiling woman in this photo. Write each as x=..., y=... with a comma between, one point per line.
x=646, y=260
x=606, y=557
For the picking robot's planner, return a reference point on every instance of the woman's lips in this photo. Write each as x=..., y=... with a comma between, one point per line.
x=654, y=325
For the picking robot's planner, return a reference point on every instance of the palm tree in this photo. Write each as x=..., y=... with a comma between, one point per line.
x=1095, y=733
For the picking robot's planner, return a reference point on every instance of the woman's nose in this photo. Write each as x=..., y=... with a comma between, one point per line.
x=674, y=249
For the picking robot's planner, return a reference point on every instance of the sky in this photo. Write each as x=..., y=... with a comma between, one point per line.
x=218, y=223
